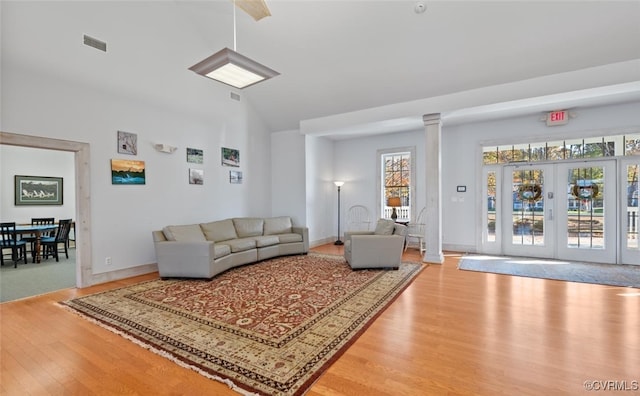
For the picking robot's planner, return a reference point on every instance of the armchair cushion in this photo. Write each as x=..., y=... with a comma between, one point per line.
x=384, y=227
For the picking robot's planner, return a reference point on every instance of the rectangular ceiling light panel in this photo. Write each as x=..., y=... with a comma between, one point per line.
x=231, y=68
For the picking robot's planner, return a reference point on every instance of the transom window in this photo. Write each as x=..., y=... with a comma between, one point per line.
x=607, y=146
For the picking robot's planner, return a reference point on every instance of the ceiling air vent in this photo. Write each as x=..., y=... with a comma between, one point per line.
x=95, y=43
x=235, y=96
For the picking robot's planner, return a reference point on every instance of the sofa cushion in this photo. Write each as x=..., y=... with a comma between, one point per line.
x=266, y=240
x=221, y=250
x=277, y=225
x=384, y=227
x=248, y=226
x=289, y=238
x=217, y=231
x=184, y=233
x=241, y=244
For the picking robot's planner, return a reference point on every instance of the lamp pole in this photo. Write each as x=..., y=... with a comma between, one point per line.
x=338, y=184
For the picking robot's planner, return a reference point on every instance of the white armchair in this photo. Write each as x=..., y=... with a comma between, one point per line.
x=381, y=248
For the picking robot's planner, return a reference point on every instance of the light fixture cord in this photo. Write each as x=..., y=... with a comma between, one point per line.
x=234, y=25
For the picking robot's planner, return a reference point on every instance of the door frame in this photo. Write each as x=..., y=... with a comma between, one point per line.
x=617, y=177
x=83, y=193
x=548, y=247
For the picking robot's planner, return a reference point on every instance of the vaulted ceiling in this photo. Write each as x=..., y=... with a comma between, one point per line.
x=342, y=62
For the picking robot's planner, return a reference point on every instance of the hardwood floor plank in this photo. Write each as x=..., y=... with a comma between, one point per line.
x=450, y=332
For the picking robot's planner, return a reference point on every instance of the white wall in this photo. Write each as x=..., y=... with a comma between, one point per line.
x=124, y=215
x=35, y=162
x=461, y=160
x=321, y=194
x=288, y=176
x=356, y=164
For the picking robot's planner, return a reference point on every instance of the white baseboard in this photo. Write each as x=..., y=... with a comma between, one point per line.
x=123, y=273
x=320, y=242
x=459, y=248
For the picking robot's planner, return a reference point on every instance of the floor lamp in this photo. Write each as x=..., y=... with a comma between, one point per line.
x=338, y=184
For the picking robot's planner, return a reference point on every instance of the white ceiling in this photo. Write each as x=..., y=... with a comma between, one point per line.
x=347, y=67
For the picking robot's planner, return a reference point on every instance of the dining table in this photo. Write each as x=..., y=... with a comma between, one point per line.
x=37, y=231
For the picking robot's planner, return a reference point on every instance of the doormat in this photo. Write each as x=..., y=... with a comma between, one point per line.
x=600, y=274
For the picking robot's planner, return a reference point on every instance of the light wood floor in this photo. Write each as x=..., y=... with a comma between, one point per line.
x=450, y=333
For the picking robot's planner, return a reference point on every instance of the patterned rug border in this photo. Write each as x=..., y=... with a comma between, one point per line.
x=207, y=372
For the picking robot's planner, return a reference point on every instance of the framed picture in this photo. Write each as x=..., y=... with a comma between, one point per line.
x=127, y=143
x=235, y=177
x=194, y=156
x=196, y=176
x=127, y=172
x=230, y=157
x=38, y=190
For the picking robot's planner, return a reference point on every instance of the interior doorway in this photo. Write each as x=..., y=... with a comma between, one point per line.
x=82, y=194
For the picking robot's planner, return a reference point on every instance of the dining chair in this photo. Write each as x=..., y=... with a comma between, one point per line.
x=31, y=239
x=50, y=245
x=10, y=241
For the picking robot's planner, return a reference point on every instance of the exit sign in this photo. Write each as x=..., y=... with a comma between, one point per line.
x=560, y=117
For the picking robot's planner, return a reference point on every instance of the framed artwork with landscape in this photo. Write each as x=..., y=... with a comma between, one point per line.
x=127, y=172
x=38, y=190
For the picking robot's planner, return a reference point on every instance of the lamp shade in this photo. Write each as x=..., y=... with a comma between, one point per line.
x=394, y=202
x=231, y=68
x=339, y=183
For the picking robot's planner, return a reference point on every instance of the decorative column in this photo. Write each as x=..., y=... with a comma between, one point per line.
x=433, y=230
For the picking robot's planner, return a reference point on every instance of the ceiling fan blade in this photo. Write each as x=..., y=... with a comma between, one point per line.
x=256, y=8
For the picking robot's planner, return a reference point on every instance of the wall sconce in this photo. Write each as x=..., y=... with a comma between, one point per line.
x=165, y=148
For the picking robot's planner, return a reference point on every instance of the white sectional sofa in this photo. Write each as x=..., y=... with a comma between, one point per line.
x=207, y=249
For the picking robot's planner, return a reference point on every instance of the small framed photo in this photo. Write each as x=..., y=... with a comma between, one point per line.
x=195, y=156
x=230, y=157
x=461, y=188
x=38, y=190
x=127, y=143
x=196, y=176
x=235, y=177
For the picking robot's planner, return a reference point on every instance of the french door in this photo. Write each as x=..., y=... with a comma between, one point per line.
x=629, y=202
x=565, y=211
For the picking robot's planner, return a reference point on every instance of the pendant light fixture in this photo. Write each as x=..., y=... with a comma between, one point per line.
x=231, y=68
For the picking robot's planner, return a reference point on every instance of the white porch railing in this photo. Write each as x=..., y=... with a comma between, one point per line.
x=403, y=212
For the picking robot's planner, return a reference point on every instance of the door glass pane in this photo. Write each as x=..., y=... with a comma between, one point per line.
x=585, y=208
x=491, y=206
x=632, y=206
x=528, y=207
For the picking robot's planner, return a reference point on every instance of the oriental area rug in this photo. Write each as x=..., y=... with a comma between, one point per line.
x=269, y=328
x=601, y=274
